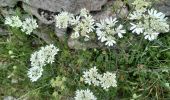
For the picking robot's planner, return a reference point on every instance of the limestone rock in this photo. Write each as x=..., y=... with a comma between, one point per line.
x=9, y=3
x=163, y=6
x=72, y=6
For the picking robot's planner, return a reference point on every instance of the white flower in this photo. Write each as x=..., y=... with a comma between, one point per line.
x=13, y=21
x=158, y=21
x=84, y=12
x=141, y=5
x=151, y=24
x=35, y=73
x=62, y=19
x=84, y=26
x=119, y=31
x=107, y=80
x=40, y=58
x=91, y=77
x=135, y=15
x=50, y=51
x=150, y=35
x=110, y=21
x=84, y=95
x=107, y=29
x=29, y=25
x=74, y=20
x=110, y=41
x=101, y=35
x=158, y=15
x=137, y=28
x=88, y=23
x=44, y=55
x=76, y=33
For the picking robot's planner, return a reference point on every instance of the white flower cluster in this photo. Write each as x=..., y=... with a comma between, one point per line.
x=83, y=24
x=84, y=95
x=35, y=73
x=107, y=29
x=149, y=22
x=92, y=77
x=39, y=59
x=106, y=80
x=13, y=21
x=141, y=5
x=63, y=19
x=26, y=26
x=29, y=25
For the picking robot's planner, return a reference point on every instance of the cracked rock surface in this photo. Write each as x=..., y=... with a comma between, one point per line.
x=164, y=6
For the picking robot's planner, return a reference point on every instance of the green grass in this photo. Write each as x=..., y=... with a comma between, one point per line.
x=142, y=68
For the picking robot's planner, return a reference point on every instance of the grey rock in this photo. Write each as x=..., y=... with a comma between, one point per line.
x=51, y=7
x=35, y=12
x=75, y=44
x=167, y=2
x=72, y=6
x=163, y=6
x=60, y=33
x=165, y=10
x=9, y=3
x=44, y=36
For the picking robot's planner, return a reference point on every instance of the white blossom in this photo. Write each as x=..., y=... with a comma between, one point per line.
x=110, y=41
x=35, y=73
x=50, y=51
x=150, y=35
x=119, y=31
x=44, y=55
x=13, y=21
x=137, y=28
x=76, y=33
x=29, y=25
x=135, y=15
x=62, y=19
x=141, y=5
x=151, y=24
x=84, y=95
x=92, y=77
x=158, y=15
x=158, y=21
x=84, y=12
x=107, y=80
x=107, y=30
x=74, y=20
x=40, y=58
x=88, y=24
x=84, y=26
